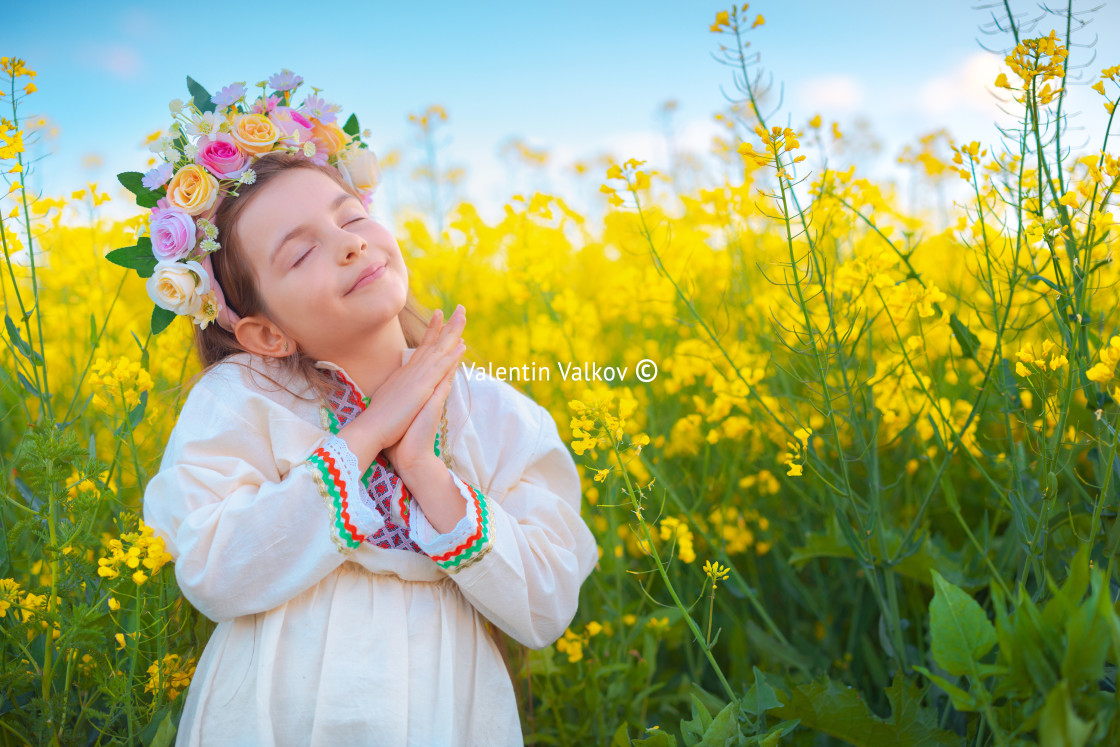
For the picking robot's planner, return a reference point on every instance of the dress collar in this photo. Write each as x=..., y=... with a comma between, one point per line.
x=349, y=399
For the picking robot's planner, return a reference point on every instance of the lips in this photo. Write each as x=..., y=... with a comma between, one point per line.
x=365, y=274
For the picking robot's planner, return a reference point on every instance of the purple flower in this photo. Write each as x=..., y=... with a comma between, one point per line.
x=158, y=176
x=173, y=234
x=285, y=80
x=228, y=95
x=319, y=108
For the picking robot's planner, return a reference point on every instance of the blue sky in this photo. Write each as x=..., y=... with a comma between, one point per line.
x=582, y=79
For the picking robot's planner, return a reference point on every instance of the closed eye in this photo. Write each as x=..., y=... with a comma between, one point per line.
x=360, y=217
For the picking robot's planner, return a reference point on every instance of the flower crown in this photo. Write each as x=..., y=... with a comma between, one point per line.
x=208, y=152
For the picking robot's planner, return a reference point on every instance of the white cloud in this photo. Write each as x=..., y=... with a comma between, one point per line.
x=965, y=88
x=116, y=59
x=834, y=92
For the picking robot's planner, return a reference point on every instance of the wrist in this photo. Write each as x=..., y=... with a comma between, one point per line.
x=420, y=470
x=364, y=439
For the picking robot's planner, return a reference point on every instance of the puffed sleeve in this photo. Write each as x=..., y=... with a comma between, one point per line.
x=244, y=537
x=520, y=554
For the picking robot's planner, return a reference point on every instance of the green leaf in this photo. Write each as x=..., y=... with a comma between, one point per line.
x=133, y=182
x=969, y=342
x=773, y=738
x=916, y=562
x=962, y=700
x=161, y=731
x=657, y=738
x=1010, y=385
x=28, y=494
x=1088, y=636
x=761, y=697
x=351, y=127
x=201, y=96
x=724, y=728
x=839, y=711
x=28, y=385
x=961, y=632
x=693, y=730
x=1060, y=723
x=28, y=352
x=92, y=332
x=161, y=317
x=1047, y=281
x=137, y=413
x=139, y=257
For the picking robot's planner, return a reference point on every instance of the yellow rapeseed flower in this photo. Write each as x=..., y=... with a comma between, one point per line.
x=716, y=572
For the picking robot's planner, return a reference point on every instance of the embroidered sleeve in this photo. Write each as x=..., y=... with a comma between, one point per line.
x=248, y=533
x=528, y=582
x=467, y=542
x=335, y=469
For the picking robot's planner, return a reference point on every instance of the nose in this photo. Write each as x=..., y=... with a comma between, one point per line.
x=352, y=244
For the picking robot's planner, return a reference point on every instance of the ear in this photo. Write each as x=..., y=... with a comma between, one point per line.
x=262, y=336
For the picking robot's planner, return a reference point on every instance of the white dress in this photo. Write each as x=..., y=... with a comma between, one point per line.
x=343, y=617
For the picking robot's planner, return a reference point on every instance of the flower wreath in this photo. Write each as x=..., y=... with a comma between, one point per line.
x=208, y=152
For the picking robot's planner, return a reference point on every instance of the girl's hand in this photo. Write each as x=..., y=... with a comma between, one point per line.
x=397, y=402
x=415, y=447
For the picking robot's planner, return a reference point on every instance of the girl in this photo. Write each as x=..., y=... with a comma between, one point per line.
x=344, y=507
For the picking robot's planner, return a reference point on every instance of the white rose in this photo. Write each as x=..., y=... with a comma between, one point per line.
x=178, y=286
x=360, y=169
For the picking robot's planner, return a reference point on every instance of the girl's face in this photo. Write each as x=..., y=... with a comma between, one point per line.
x=310, y=241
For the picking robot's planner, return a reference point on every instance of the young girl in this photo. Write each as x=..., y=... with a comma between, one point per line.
x=346, y=509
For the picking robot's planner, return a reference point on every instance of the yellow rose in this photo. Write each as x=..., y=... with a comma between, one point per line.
x=178, y=287
x=193, y=189
x=329, y=136
x=255, y=133
x=359, y=168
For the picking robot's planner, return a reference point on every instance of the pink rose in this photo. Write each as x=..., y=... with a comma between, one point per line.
x=173, y=234
x=221, y=157
x=290, y=121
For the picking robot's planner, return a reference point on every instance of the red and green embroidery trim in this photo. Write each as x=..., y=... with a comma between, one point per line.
x=402, y=504
x=330, y=480
x=330, y=420
x=474, y=546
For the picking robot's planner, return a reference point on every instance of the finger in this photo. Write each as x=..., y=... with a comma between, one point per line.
x=454, y=327
x=434, y=326
x=453, y=356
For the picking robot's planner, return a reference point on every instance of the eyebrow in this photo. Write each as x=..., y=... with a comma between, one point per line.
x=335, y=203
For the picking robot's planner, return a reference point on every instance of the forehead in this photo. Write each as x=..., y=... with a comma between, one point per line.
x=287, y=201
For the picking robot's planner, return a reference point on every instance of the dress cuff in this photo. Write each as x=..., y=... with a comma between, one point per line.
x=335, y=469
x=466, y=543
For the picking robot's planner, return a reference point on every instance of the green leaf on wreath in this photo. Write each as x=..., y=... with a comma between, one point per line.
x=161, y=317
x=133, y=182
x=201, y=96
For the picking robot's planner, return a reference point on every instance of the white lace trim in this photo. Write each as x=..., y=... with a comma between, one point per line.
x=432, y=542
x=365, y=518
